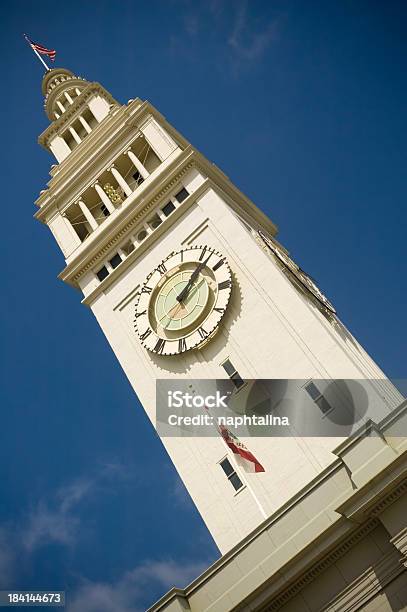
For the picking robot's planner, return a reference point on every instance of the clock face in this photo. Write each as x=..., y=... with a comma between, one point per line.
x=301, y=276
x=183, y=300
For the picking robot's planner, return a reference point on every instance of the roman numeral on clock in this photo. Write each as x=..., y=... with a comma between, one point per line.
x=224, y=285
x=203, y=253
x=159, y=347
x=140, y=314
x=182, y=345
x=220, y=310
x=146, y=289
x=218, y=264
x=145, y=334
x=203, y=333
x=162, y=269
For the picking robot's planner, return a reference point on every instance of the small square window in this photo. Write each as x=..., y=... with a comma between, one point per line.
x=105, y=210
x=168, y=208
x=115, y=261
x=233, y=374
x=138, y=178
x=182, y=195
x=312, y=391
x=237, y=381
x=323, y=404
x=128, y=247
x=227, y=467
x=228, y=367
x=236, y=482
x=102, y=273
x=317, y=397
x=154, y=221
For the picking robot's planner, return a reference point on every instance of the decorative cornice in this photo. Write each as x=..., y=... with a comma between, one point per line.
x=57, y=126
x=369, y=584
x=188, y=159
x=390, y=499
x=139, y=202
x=321, y=566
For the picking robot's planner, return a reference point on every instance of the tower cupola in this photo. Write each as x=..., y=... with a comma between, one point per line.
x=75, y=107
x=60, y=87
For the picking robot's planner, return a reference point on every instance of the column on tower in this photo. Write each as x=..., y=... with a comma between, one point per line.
x=137, y=164
x=120, y=180
x=60, y=106
x=85, y=124
x=88, y=215
x=104, y=197
x=75, y=134
x=68, y=97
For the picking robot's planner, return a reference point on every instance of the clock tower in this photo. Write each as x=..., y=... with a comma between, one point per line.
x=187, y=280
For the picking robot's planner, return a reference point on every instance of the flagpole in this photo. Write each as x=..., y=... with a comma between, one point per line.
x=37, y=54
x=249, y=488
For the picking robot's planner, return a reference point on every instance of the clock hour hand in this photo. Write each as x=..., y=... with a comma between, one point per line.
x=194, y=275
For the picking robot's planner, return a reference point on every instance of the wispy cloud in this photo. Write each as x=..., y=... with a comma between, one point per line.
x=128, y=593
x=180, y=495
x=55, y=520
x=56, y=517
x=247, y=42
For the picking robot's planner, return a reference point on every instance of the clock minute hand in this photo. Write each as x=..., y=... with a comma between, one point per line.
x=194, y=275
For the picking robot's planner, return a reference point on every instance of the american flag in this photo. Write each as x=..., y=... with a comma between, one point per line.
x=40, y=49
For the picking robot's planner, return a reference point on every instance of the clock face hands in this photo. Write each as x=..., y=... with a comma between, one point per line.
x=186, y=299
x=194, y=275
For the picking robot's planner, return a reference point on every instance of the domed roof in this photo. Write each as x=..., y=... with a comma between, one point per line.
x=53, y=77
x=54, y=83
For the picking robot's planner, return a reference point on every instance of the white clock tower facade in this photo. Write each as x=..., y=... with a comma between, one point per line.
x=186, y=279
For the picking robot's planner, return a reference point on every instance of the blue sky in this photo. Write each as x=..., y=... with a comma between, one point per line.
x=303, y=107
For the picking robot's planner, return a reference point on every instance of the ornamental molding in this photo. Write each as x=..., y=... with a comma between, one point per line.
x=56, y=126
x=369, y=584
x=214, y=178
x=390, y=499
x=121, y=234
x=321, y=566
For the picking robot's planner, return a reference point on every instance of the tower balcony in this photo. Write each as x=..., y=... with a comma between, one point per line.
x=111, y=189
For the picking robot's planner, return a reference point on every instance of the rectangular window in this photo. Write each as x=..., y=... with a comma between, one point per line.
x=317, y=397
x=181, y=195
x=233, y=374
x=128, y=247
x=168, y=208
x=231, y=474
x=102, y=273
x=138, y=178
x=115, y=261
x=105, y=210
x=154, y=221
